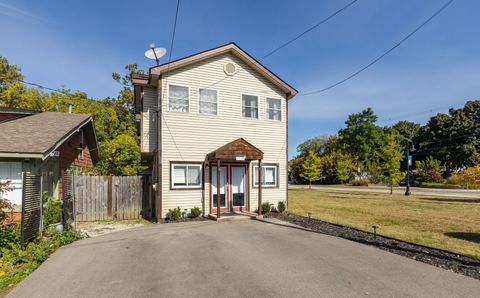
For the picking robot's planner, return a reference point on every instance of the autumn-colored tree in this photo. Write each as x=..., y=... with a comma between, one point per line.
x=311, y=168
x=391, y=154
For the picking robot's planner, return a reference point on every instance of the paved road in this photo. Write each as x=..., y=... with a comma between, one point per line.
x=459, y=193
x=234, y=259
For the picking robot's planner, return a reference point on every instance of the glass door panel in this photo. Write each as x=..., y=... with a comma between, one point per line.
x=223, y=180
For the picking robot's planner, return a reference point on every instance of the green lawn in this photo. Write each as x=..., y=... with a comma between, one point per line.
x=451, y=224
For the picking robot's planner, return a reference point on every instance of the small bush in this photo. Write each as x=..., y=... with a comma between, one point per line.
x=266, y=208
x=52, y=210
x=174, y=214
x=9, y=235
x=281, y=206
x=195, y=212
x=360, y=182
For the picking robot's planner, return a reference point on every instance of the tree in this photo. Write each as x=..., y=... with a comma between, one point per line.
x=4, y=203
x=391, y=155
x=429, y=170
x=10, y=74
x=362, y=137
x=120, y=157
x=345, y=167
x=112, y=117
x=407, y=130
x=453, y=138
x=316, y=144
x=311, y=168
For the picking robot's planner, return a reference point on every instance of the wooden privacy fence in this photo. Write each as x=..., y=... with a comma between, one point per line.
x=108, y=197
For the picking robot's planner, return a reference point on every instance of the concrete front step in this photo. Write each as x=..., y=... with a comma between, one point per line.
x=235, y=216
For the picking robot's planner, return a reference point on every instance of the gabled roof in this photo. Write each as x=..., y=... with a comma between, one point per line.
x=17, y=111
x=238, y=148
x=228, y=48
x=37, y=136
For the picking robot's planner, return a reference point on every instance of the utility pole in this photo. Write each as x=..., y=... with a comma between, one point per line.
x=410, y=148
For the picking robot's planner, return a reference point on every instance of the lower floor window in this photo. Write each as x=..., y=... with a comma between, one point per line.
x=186, y=175
x=269, y=175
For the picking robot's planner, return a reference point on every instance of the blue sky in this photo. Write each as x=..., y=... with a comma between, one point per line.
x=79, y=43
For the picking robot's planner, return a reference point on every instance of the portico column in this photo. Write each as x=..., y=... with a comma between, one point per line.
x=218, y=188
x=259, y=187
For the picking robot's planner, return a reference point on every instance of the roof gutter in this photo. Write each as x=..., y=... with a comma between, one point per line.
x=21, y=155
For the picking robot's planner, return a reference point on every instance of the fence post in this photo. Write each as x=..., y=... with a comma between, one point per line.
x=41, y=205
x=22, y=223
x=74, y=203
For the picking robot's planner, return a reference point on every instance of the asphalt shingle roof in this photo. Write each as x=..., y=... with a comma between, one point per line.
x=38, y=133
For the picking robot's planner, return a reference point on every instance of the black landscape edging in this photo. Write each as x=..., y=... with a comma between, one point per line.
x=437, y=257
x=187, y=219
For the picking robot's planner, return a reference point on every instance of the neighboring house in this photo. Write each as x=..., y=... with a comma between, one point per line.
x=220, y=107
x=48, y=144
x=8, y=114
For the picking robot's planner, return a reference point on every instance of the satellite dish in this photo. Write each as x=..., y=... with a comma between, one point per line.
x=155, y=53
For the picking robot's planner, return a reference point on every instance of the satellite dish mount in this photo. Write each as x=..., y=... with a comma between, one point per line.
x=155, y=53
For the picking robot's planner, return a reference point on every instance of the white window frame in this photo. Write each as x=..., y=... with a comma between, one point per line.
x=265, y=166
x=267, y=109
x=218, y=102
x=168, y=98
x=187, y=165
x=258, y=106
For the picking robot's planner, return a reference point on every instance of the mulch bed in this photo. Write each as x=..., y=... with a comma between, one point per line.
x=187, y=219
x=440, y=258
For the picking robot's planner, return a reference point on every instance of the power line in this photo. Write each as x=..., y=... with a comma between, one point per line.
x=166, y=79
x=308, y=30
x=383, y=55
x=288, y=42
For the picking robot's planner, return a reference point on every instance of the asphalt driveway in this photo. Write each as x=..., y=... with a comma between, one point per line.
x=234, y=259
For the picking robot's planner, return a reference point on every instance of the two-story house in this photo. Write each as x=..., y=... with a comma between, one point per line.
x=206, y=122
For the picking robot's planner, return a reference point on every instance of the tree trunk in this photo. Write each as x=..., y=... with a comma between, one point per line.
x=391, y=189
x=310, y=185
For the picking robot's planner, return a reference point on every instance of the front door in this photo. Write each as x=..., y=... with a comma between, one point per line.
x=237, y=185
x=233, y=195
x=223, y=189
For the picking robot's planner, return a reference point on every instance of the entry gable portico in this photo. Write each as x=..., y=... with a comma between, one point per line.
x=225, y=185
x=236, y=150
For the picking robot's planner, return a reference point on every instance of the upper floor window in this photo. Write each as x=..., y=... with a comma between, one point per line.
x=207, y=101
x=178, y=98
x=274, y=109
x=250, y=106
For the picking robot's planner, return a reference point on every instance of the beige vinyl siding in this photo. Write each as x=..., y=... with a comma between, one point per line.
x=149, y=124
x=191, y=136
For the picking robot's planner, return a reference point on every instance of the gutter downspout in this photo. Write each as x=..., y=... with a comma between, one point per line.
x=158, y=205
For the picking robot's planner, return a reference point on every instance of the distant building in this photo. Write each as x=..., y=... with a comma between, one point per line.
x=47, y=144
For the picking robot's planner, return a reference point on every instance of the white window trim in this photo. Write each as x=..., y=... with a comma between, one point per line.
x=255, y=172
x=266, y=109
x=168, y=98
x=172, y=177
x=241, y=106
x=198, y=102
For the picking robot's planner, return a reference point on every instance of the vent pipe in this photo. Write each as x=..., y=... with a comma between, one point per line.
x=70, y=107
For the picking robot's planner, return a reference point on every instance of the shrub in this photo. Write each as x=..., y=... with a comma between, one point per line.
x=360, y=182
x=52, y=210
x=9, y=235
x=429, y=170
x=281, y=206
x=174, y=214
x=266, y=207
x=195, y=212
x=18, y=262
x=470, y=178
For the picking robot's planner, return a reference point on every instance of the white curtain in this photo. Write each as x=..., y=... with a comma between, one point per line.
x=178, y=98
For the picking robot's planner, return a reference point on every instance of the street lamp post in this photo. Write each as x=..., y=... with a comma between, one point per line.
x=410, y=148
